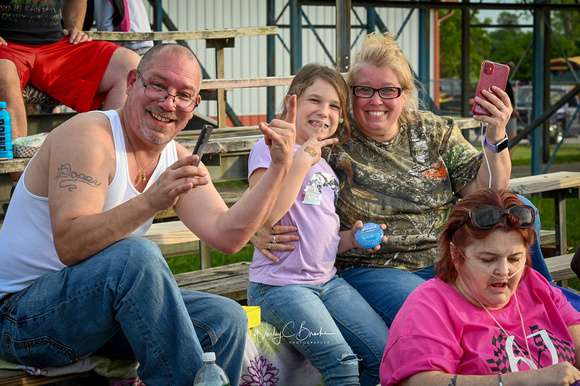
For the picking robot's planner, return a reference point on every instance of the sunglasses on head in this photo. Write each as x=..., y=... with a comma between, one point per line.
x=488, y=216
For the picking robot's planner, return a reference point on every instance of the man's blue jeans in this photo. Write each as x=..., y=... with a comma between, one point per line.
x=386, y=289
x=327, y=323
x=123, y=301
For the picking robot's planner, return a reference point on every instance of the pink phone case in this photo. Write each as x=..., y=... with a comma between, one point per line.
x=491, y=74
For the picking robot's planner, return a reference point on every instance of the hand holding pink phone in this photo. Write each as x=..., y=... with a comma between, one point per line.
x=491, y=74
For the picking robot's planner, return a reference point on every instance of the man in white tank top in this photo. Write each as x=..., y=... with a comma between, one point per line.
x=77, y=280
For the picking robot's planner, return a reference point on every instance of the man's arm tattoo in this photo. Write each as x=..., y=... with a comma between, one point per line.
x=69, y=179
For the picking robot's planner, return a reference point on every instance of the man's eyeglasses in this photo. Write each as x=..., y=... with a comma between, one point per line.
x=487, y=216
x=384, y=92
x=157, y=93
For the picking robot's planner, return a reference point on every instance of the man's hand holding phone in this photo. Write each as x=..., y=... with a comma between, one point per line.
x=182, y=176
x=202, y=141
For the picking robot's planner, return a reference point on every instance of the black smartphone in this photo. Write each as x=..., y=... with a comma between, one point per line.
x=202, y=142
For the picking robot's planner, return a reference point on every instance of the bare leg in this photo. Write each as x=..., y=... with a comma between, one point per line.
x=114, y=81
x=11, y=93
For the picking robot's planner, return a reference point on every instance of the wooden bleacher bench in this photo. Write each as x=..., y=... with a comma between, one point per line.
x=229, y=280
x=558, y=186
x=559, y=267
x=173, y=238
x=547, y=237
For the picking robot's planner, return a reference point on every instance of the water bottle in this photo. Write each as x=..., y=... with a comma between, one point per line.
x=5, y=132
x=210, y=374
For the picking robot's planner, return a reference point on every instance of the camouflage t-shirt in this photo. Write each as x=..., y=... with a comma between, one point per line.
x=410, y=184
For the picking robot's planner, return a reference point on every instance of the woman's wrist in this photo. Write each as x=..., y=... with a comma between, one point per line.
x=494, y=138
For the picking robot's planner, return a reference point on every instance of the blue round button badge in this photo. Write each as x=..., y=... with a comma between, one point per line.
x=369, y=236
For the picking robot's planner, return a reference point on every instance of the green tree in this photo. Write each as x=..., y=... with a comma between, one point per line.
x=505, y=44
x=450, y=43
x=510, y=44
x=566, y=29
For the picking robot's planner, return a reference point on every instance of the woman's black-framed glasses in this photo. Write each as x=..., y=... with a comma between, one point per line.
x=384, y=92
x=487, y=216
x=157, y=93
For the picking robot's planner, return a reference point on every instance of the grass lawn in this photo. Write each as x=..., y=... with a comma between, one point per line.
x=568, y=152
x=546, y=208
x=191, y=262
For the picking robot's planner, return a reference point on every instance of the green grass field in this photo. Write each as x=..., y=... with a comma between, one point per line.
x=567, y=153
x=546, y=208
x=191, y=262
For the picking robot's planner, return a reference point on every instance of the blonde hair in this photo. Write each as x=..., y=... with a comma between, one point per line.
x=382, y=50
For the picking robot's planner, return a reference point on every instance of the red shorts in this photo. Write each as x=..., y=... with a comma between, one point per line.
x=70, y=73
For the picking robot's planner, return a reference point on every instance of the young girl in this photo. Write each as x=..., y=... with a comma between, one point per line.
x=318, y=312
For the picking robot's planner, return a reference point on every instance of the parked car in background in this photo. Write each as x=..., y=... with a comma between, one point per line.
x=559, y=120
x=450, y=95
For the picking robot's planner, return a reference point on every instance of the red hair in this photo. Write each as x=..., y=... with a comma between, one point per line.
x=461, y=238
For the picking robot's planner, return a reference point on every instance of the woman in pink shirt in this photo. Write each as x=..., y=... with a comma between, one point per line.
x=487, y=318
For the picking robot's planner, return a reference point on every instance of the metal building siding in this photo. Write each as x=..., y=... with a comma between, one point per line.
x=248, y=58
